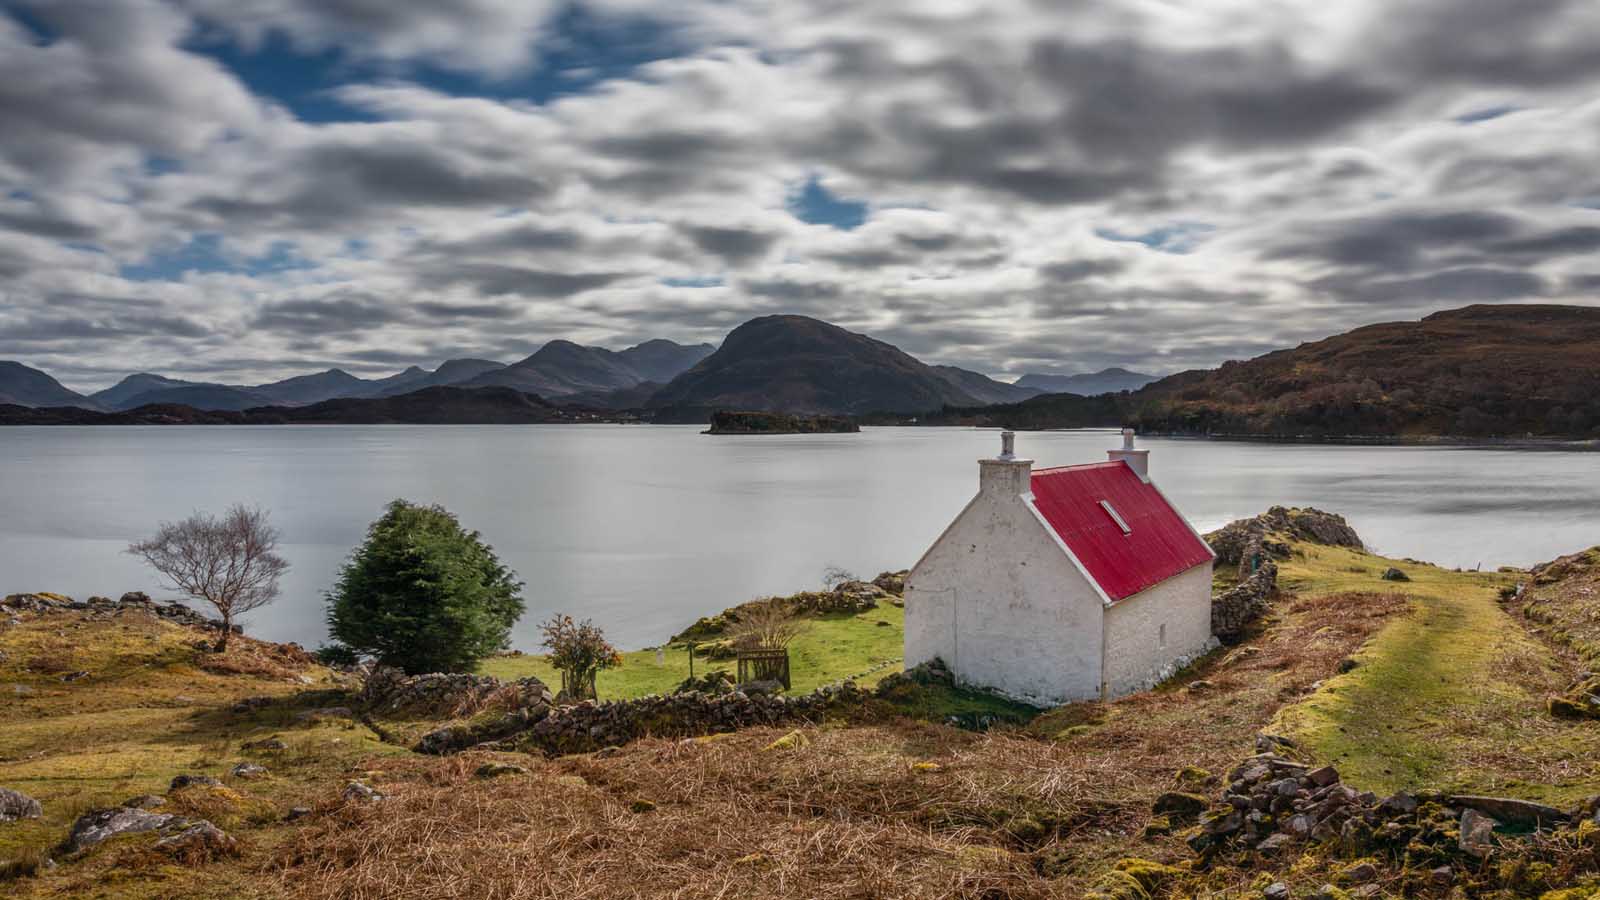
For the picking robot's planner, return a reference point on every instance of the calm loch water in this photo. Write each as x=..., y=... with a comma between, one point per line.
x=644, y=528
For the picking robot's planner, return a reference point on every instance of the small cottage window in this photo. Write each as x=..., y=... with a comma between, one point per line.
x=1115, y=517
x=1161, y=635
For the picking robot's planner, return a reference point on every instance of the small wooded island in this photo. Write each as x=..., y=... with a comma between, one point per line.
x=726, y=422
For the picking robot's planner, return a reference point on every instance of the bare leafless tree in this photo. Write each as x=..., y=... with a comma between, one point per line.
x=230, y=562
x=772, y=625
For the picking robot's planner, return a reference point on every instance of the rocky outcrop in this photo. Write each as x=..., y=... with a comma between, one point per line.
x=176, y=613
x=391, y=692
x=16, y=805
x=1254, y=546
x=589, y=725
x=188, y=840
x=1236, y=542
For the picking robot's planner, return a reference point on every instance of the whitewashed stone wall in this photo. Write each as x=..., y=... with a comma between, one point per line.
x=1177, y=610
x=1002, y=605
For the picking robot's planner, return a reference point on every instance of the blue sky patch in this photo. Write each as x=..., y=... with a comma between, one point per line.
x=203, y=253
x=580, y=51
x=1180, y=237
x=816, y=205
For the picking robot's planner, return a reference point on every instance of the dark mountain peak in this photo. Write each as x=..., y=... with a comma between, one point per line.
x=466, y=368
x=797, y=364
x=26, y=386
x=663, y=360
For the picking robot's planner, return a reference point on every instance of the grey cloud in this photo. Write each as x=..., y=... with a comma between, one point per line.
x=494, y=280
x=1079, y=269
x=735, y=246
x=467, y=310
x=1461, y=285
x=332, y=316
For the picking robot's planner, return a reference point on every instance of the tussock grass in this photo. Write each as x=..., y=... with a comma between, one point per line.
x=896, y=809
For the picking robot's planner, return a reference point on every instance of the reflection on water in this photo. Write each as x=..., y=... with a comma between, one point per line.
x=645, y=528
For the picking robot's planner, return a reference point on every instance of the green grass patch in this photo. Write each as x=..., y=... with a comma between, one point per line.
x=831, y=648
x=1450, y=695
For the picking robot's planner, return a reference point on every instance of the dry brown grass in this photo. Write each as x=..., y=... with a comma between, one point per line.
x=854, y=813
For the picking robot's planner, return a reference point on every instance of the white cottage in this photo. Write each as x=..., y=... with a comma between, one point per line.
x=1073, y=583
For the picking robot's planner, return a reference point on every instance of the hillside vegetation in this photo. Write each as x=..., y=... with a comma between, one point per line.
x=1480, y=371
x=1439, y=682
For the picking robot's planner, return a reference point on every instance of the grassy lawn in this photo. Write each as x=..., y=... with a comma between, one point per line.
x=1449, y=695
x=832, y=648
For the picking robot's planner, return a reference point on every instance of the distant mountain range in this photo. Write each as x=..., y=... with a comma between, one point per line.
x=1504, y=371
x=786, y=364
x=1480, y=371
x=559, y=369
x=428, y=406
x=562, y=368
x=1105, y=381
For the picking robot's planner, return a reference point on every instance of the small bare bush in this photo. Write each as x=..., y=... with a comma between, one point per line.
x=772, y=625
x=230, y=562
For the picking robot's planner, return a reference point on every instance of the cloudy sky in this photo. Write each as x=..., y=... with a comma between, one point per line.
x=242, y=191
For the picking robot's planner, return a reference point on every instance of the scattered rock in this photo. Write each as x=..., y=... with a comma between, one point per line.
x=183, y=781
x=198, y=842
x=1442, y=877
x=94, y=827
x=1180, y=807
x=249, y=770
x=74, y=676
x=297, y=812
x=1511, y=812
x=498, y=769
x=356, y=792
x=264, y=745
x=1477, y=833
x=16, y=805
x=145, y=801
x=1393, y=574
x=1359, y=873
x=1323, y=777
x=1275, y=891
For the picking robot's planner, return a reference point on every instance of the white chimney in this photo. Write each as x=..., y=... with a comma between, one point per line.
x=1005, y=474
x=1138, y=460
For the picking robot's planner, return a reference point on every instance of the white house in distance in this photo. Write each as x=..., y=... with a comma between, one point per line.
x=1073, y=583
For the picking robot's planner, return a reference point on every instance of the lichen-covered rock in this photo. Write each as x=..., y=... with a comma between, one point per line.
x=98, y=826
x=16, y=805
x=499, y=770
x=1117, y=885
x=1180, y=807
x=249, y=770
x=199, y=842
x=1477, y=834
x=356, y=792
x=183, y=781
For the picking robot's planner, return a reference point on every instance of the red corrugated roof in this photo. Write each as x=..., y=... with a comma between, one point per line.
x=1159, y=544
